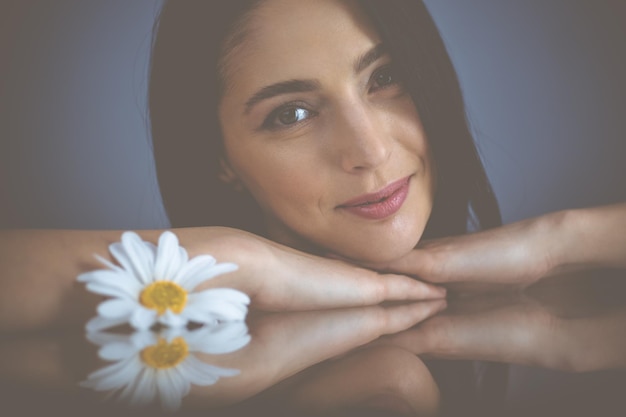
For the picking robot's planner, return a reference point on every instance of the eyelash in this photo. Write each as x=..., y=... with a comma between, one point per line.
x=380, y=71
x=271, y=122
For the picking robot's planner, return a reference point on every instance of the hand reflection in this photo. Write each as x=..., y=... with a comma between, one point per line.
x=284, y=344
x=281, y=346
x=561, y=333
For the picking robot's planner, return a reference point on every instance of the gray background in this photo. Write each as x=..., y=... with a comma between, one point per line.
x=543, y=80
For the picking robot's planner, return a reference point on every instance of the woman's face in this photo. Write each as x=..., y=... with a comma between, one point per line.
x=318, y=129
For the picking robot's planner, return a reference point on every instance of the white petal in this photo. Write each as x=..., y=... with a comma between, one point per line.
x=114, y=380
x=143, y=339
x=223, y=294
x=135, y=256
x=199, y=264
x=100, y=323
x=208, y=369
x=184, y=259
x=106, y=371
x=179, y=380
x=199, y=316
x=146, y=391
x=128, y=393
x=172, y=320
x=222, y=303
x=105, y=289
x=195, y=374
x=108, y=263
x=198, y=275
x=117, y=351
x=93, y=275
x=223, y=338
x=168, y=258
x=170, y=398
x=140, y=256
x=121, y=280
x=203, y=374
x=143, y=318
x=223, y=311
x=116, y=308
x=119, y=253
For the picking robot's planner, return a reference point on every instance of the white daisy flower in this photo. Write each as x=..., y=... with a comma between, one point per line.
x=155, y=284
x=152, y=366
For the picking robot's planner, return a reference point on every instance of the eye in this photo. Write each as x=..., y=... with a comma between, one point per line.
x=287, y=115
x=292, y=115
x=383, y=77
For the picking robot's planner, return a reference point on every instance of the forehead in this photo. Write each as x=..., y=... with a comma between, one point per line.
x=287, y=39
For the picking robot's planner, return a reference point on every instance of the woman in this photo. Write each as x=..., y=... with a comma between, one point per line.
x=330, y=128
x=253, y=172
x=341, y=132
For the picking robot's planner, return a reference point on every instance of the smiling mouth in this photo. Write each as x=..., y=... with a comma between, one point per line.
x=380, y=204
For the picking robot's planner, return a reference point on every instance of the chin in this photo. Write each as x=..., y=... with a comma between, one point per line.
x=382, y=251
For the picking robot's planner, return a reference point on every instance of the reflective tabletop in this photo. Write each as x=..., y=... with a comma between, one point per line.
x=555, y=348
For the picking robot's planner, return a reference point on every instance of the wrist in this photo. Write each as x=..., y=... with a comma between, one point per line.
x=566, y=232
x=244, y=249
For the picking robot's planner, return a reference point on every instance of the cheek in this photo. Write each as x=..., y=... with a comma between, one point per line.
x=280, y=178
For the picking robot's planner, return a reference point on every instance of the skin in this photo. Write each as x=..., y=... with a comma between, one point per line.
x=521, y=253
x=355, y=133
x=270, y=273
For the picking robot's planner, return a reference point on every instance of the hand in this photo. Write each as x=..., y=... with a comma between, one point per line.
x=522, y=253
x=516, y=254
x=279, y=278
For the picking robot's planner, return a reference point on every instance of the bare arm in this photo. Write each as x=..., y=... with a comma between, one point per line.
x=38, y=287
x=592, y=238
x=522, y=252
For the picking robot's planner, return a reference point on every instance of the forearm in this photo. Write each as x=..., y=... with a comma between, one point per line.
x=38, y=287
x=587, y=238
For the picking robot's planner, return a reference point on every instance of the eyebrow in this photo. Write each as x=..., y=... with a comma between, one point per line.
x=284, y=87
x=303, y=86
x=369, y=57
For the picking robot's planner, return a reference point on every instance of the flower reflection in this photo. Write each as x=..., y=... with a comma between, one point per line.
x=151, y=366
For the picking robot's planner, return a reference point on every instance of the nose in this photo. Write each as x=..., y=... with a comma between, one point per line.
x=362, y=142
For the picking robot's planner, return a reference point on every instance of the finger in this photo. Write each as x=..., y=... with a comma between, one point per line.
x=400, y=287
x=331, y=284
x=399, y=318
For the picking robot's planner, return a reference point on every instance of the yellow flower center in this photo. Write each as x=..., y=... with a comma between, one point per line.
x=162, y=295
x=165, y=355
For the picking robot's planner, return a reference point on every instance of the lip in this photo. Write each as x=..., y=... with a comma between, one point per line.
x=380, y=204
